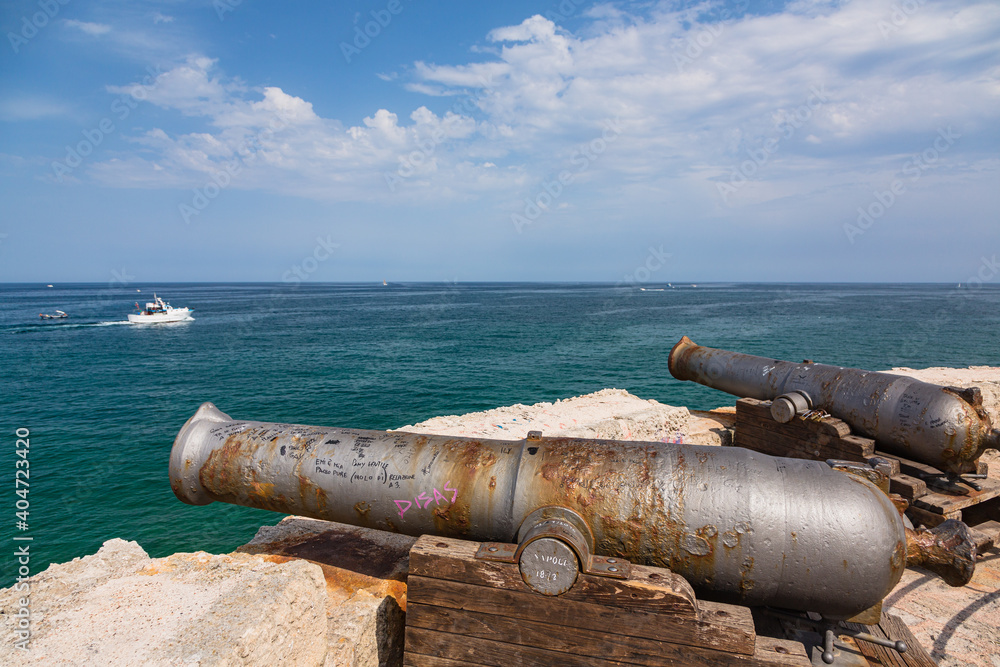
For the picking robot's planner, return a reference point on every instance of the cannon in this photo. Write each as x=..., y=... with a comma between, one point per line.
x=941, y=426
x=740, y=526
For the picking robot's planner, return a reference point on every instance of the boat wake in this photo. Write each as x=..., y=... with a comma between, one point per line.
x=157, y=323
x=61, y=325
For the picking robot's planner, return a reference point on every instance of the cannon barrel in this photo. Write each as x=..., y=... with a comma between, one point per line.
x=941, y=426
x=741, y=526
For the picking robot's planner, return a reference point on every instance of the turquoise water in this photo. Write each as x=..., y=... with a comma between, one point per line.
x=103, y=400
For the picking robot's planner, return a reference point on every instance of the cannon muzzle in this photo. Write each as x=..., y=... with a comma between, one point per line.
x=740, y=526
x=942, y=426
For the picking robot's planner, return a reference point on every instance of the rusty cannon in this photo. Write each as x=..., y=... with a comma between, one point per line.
x=742, y=526
x=941, y=426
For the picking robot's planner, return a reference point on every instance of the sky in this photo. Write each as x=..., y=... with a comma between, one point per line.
x=561, y=140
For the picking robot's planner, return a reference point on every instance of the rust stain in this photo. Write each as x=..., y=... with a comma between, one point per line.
x=343, y=583
x=321, y=499
x=362, y=508
x=746, y=583
x=493, y=482
x=472, y=455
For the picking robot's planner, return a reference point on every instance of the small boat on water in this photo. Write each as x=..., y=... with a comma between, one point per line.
x=158, y=311
x=58, y=316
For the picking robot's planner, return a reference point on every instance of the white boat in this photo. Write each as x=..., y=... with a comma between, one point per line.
x=58, y=316
x=158, y=311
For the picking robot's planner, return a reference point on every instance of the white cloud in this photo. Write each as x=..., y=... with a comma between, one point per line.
x=93, y=29
x=279, y=143
x=161, y=18
x=841, y=95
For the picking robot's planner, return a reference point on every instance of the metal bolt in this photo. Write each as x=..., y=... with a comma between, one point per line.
x=612, y=560
x=492, y=549
x=612, y=569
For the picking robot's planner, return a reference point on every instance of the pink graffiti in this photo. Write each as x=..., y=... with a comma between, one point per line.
x=404, y=505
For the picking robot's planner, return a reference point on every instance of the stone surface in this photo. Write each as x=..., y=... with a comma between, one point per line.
x=365, y=573
x=609, y=413
x=959, y=627
x=119, y=607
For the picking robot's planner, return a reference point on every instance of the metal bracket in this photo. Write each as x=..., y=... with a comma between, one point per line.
x=950, y=481
x=828, y=652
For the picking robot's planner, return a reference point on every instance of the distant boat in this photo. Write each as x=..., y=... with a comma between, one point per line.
x=159, y=311
x=651, y=289
x=58, y=316
x=384, y=283
x=48, y=285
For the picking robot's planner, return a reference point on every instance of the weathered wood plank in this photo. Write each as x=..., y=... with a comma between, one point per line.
x=474, y=651
x=610, y=645
x=886, y=464
x=761, y=410
x=648, y=589
x=804, y=433
x=420, y=660
x=781, y=430
x=854, y=449
x=778, y=445
x=856, y=443
x=919, y=515
x=908, y=487
x=942, y=503
x=732, y=633
x=916, y=468
x=786, y=652
x=891, y=627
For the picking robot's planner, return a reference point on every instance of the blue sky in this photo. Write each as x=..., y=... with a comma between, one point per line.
x=238, y=140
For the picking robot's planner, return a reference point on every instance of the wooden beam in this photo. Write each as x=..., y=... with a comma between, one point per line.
x=890, y=627
x=830, y=426
x=906, y=486
x=732, y=633
x=474, y=651
x=649, y=589
x=943, y=503
x=919, y=515
x=820, y=448
x=610, y=645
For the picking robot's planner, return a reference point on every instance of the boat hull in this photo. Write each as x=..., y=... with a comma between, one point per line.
x=174, y=315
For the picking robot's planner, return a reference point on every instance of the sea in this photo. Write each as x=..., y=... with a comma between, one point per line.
x=99, y=401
